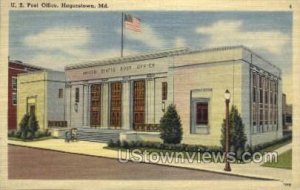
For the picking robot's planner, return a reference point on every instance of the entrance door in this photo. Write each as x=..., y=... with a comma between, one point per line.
x=95, y=105
x=32, y=109
x=115, y=105
x=138, y=102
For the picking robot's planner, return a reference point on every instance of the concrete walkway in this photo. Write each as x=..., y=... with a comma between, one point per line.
x=279, y=151
x=97, y=149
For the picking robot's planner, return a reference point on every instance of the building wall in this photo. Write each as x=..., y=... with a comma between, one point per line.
x=76, y=117
x=43, y=86
x=158, y=99
x=207, y=82
x=196, y=76
x=13, y=70
x=55, y=105
x=32, y=85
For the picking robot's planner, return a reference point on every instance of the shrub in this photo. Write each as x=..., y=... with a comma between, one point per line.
x=118, y=143
x=237, y=135
x=111, y=143
x=11, y=134
x=33, y=125
x=170, y=125
x=124, y=144
x=28, y=127
x=163, y=146
x=24, y=126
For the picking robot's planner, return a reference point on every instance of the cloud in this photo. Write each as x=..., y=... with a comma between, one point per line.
x=62, y=46
x=230, y=32
x=58, y=62
x=67, y=40
x=180, y=42
x=147, y=36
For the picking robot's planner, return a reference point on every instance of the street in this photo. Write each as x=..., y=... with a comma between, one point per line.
x=30, y=163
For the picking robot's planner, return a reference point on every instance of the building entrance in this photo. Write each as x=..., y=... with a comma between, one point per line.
x=138, y=103
x=95, y=105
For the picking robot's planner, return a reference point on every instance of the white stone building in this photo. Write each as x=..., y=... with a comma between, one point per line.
x=42, y=93
x=132, y=93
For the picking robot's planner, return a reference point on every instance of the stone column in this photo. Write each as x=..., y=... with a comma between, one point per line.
x=105, y=105
x=150, y=93
x=126, y=104
x=279, y=108
x=86, y=110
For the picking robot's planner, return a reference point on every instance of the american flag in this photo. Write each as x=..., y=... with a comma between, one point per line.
x=132, y=23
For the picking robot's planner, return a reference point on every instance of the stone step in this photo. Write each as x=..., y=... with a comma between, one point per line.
x=98, y=135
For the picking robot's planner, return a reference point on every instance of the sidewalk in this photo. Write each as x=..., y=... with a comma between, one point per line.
x=97, y=149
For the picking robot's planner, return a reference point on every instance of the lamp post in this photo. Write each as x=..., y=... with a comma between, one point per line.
x=227, y=131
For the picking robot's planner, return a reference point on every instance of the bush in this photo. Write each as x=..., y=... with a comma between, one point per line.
x=11, y=134
x=170, y=125
x=111, y=143
x=237, y=135
x=40, y=134
x=124, y=144
x=28, y=127
x=24, y=126
x=162, y=146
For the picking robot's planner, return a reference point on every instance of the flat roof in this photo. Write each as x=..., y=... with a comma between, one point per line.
x=26, y=64
x=156, y=55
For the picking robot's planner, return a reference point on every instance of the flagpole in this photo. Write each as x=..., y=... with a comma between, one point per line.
x=122, y=34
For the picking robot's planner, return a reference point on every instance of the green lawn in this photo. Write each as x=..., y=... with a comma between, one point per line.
x=276, y=146
x=284, y=161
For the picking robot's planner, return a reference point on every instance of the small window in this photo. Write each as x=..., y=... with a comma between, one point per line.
x=60, y=93
x=77, y=95
x=14, y=83
x=14, y=98
x=202, y=113
x=164, y=90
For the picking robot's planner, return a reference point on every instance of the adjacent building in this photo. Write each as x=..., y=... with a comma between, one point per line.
x=132, y=93
x=42, y=93
x=14, y=68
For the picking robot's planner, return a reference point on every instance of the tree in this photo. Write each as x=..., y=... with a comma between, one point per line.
x=28, y=126
x=33, y=125
x=170, y=125
x=24, y=126
x=237, y=135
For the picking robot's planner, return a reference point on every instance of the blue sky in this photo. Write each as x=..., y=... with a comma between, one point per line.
x=54, y=39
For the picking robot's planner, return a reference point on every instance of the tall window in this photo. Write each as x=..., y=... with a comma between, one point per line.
x=14, y=98
x=14, y=86
x=202, y=113
x=275, y=103
x=115, y=104
x=164, y=90
x=60, y=93
x=254, y=98
x=261, y=100
x=77, y=95
x=264, y=103
x=14, y=83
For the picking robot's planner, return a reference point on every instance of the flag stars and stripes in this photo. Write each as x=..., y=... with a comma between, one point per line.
x=132, y=23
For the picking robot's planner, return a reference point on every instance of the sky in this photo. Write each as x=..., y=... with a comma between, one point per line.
x=54, y=39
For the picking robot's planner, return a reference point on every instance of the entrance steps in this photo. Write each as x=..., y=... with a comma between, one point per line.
x=98, y=135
